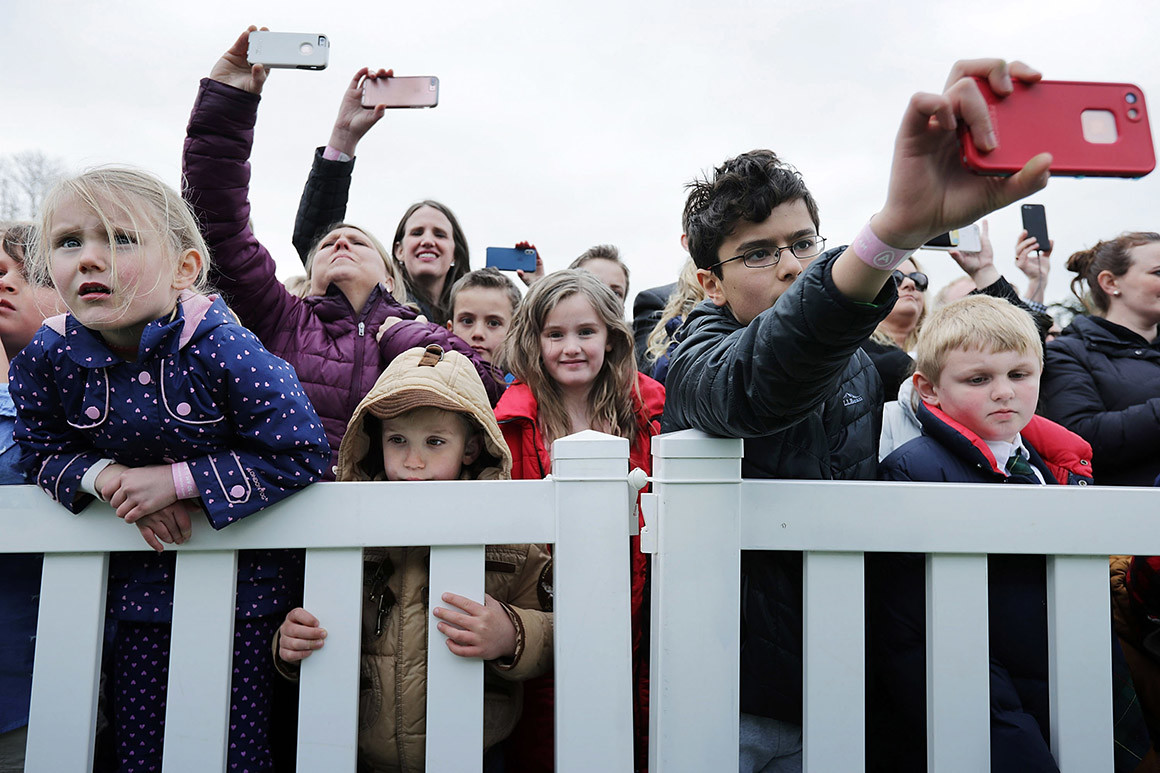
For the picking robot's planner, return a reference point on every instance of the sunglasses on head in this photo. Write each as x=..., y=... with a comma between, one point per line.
x=921, y=281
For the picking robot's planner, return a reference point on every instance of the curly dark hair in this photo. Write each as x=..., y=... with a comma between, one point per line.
x=746, y=187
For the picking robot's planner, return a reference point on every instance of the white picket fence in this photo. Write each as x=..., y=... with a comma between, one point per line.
x=584, y=509
x=700, y=516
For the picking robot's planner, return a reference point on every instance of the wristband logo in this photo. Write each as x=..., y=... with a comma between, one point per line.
x=884, y=259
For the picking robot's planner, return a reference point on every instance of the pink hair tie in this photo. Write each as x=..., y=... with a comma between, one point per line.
x=183, y=481
x=876, y=253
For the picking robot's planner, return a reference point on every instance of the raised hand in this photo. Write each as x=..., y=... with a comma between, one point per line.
x=1035, y=267
x=234, y=69
x=353, y=119
x=979, y=266
x=538, y=274
x=930, y=190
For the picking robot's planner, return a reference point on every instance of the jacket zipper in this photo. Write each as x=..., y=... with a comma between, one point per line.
x=357, y=393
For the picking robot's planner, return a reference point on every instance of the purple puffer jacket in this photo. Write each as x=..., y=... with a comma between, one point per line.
x=331, y=345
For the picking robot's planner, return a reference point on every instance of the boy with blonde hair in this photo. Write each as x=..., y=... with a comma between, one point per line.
x=977, y=371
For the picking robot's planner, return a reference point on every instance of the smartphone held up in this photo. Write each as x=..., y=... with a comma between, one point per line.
x=1090, y=129
x=401, y=91
x=511, y=259
x=289, y=50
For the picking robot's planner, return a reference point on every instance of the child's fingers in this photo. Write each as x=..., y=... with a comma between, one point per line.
x=302, y=617
x=460, y=636
x=454, y=618
x=161, y=529
x=310, y=636
x=462, y=602
x=151, y=538
x=293, y=650
x=464, y=651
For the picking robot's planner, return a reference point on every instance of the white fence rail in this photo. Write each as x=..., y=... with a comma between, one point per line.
x=584, y=509
x=703, y=515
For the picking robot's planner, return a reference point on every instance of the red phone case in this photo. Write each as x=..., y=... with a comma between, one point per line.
x=1046, y=116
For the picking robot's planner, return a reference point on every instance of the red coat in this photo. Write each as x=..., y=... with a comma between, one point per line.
x=531, y=746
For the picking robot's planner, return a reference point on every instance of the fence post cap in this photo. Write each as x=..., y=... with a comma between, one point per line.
x=694, y=444
x=590, y=444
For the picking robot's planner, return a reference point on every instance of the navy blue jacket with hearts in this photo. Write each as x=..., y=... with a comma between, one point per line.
x=896, y=611
x=204, y=391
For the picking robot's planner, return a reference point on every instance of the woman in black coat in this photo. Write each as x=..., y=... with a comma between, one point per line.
x=1101, y=377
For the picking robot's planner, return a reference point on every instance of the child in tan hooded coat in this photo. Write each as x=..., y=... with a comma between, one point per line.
x=428, y=418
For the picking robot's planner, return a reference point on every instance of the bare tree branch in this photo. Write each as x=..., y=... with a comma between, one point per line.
x=25, y=179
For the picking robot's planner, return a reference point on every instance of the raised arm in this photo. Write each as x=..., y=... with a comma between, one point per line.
x=216, y=181
x=327, y=190
x=930, y=190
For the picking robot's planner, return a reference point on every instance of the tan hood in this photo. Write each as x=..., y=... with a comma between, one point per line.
x=423, y=378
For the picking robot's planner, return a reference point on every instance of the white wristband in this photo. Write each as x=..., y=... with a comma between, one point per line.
x=89, y=480
x=876, y=253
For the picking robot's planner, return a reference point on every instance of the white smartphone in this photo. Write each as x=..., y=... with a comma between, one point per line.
x=964, y=239
x=289, y=50
x=969, y=239
x=401, y=91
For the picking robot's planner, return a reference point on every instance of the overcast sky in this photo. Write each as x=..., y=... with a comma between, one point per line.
x=571, y=124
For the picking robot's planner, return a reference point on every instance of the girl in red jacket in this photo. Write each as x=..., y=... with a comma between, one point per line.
x=572, y=355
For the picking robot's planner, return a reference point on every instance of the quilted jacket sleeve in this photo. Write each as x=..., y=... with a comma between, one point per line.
x=216, y=169
x=323, y=201
x=280, y=444
x=734, y=381
x=412, y=333
x=529, y=606
x=1070, y=396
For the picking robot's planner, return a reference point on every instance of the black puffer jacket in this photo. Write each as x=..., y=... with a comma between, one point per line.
x=1102, y=381
x=808, y=402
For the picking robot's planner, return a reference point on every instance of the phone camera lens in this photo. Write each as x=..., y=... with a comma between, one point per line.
x=1133, y=114
x=1130, y=98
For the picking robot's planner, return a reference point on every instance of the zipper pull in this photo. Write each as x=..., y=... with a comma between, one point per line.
x=362, y=328
x=386, y=601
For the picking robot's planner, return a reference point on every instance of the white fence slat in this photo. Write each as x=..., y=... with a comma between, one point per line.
x=197, y=703
x=454, y=684
x=696, y=581
x=1079, y=659
x=958, y=706
x=834, y=624
x=66, y=672
x=328, y=681
x=593, y=639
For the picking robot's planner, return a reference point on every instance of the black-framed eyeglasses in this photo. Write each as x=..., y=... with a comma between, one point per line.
x=766, y=257
x=921, y=280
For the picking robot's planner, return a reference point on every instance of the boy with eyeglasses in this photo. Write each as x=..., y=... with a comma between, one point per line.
x=774, y=358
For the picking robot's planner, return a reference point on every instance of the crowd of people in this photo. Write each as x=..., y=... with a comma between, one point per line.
x=152, y=359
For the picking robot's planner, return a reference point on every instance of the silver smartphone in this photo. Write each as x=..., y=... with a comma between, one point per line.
x=964, y=239
x=290, y=50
